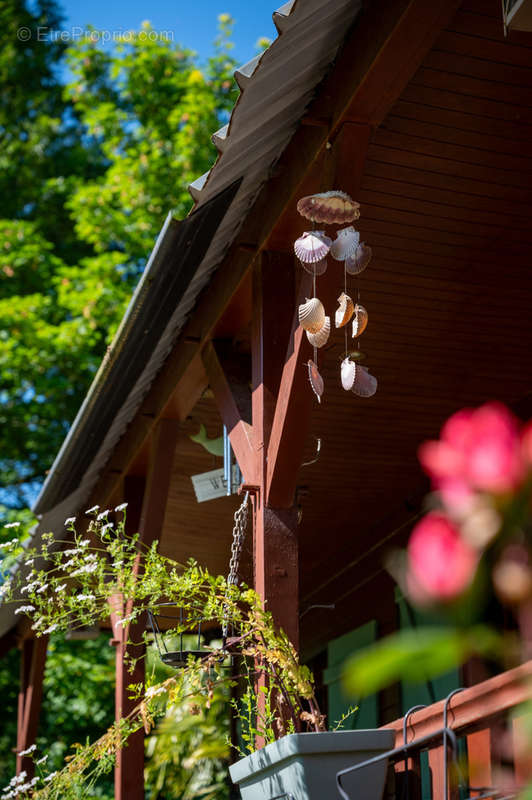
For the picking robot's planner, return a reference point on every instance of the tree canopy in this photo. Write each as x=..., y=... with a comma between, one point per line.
x=88, y=172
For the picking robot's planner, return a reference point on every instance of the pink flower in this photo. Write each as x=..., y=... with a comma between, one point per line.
x=440, y=564
x=478, y=450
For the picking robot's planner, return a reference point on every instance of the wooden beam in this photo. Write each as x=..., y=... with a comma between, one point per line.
x=475, y=707
x=233, y=400
x=33, y=661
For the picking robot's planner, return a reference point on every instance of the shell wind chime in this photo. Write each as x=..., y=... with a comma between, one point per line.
x=312, y=248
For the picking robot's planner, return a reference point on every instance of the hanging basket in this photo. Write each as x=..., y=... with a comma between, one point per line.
x=178, y=659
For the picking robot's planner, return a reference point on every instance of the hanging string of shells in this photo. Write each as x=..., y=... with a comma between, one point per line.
x=312, y=249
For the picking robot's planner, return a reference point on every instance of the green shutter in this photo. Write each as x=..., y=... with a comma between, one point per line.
x=338, y=701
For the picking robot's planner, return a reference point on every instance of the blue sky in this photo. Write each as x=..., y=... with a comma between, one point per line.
x=193, y=23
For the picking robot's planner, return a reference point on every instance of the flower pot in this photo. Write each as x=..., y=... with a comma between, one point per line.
x=304, y=765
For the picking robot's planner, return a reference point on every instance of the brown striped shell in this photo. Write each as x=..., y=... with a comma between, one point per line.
x=311, y=315
x=333, y=208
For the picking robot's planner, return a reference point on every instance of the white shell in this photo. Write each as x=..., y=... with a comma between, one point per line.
x=316, y=381
x=365, y=385
x=311, y=315
x=320, y=338
x=345, y=310
x=345, y=244
x=312, y=246
x=347, y=373
x=360, y=320
x=359, y=260
x=316, y=267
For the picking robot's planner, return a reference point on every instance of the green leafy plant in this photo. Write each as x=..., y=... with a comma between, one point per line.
x=79, y=579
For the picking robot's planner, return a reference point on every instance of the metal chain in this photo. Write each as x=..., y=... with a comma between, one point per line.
x=239, y=534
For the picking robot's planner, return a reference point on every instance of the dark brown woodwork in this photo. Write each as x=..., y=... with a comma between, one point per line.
x=473, y=708
x=276, y=574
x=233, y=399
x=32, y=665
x=353, y=91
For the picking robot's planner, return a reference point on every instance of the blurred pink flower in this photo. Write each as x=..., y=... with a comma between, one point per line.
x=440, y=564
x=478, y=450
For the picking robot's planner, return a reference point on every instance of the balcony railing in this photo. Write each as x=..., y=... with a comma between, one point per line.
x=495, y=751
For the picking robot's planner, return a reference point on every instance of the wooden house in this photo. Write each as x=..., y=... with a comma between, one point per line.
x=422, y=111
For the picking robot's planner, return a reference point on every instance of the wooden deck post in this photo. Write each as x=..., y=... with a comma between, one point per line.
x=145, y=514
x=33, y=661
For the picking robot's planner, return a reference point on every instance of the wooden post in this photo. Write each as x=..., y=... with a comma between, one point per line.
x=129, y=767
x=33, y=661
x=145, y=514
x=275, y=532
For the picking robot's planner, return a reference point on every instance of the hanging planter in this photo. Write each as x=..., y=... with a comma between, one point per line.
x=177, y=658
x=303, y=766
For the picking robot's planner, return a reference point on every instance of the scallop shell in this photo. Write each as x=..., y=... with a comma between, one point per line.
x=365, y=385
x=332, y=207
x=360, y=260
x=312, y=246
x=360, y=320
x=316, y=268
x=311, y=315
x=348, y=371
x=320, y=338
x=345, y=310
x=316, y=381
x=345, y=244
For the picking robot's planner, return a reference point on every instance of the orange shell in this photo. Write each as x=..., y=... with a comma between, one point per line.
x=345, y=310
x=360, y=320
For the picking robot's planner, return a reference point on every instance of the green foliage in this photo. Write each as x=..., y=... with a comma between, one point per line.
x=88, y=173
x=416, y=655
x=72, y=581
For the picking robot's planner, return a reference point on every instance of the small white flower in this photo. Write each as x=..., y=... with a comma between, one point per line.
x=29, y=562
x=51, y=629
x=121, y=507
x=12, y=525
x=43, y=588
x=70, y=520
x=26, y=752
x=92, y=510
x=60, y=587
x=107, y=527
x=50, y=776
x=42, y=760
x=24, y=610
x=71, y=552
x=86, y=597
x=153, y=691
x=85, y=543
x=10, y=544
x=4, y=589
x=102, y=515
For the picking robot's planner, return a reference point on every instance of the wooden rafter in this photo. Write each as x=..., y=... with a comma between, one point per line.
x=233, y=399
